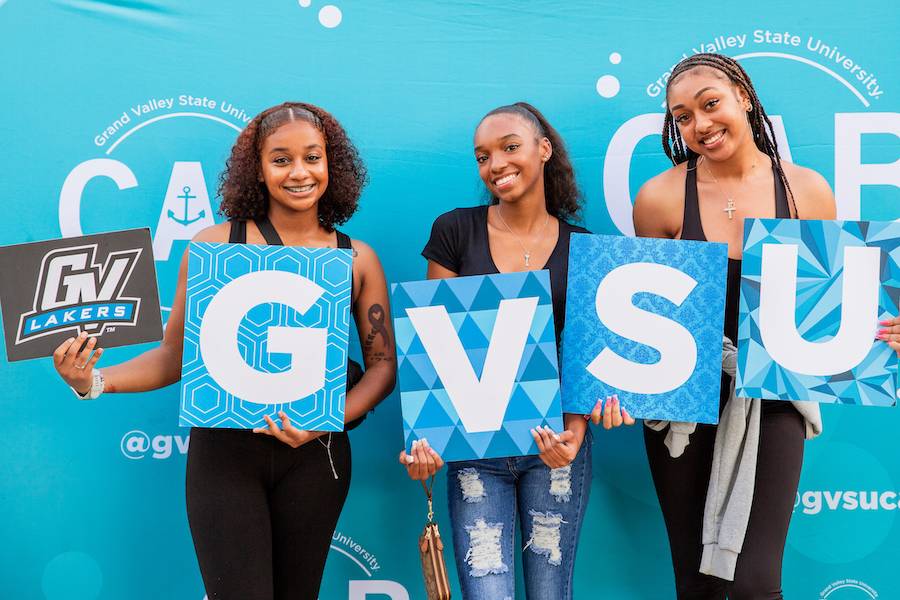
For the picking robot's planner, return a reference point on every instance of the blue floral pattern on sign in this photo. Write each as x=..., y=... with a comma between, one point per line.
x=591, y=259
x=820, y=262
x=204, y=403
x=472, y=304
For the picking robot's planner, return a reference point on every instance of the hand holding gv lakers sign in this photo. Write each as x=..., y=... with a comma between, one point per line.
x=266, y=330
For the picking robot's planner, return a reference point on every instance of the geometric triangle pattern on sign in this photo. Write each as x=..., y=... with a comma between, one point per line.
x=821, y=247
x=472, y=305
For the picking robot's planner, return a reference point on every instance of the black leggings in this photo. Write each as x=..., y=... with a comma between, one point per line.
x=681, y=485
x=262, y=513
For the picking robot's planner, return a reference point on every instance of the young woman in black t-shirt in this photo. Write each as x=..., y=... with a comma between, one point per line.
x=527, y=172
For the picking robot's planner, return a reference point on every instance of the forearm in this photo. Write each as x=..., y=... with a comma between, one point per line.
x=577, y=424
x=376, y=384
x=151, y=370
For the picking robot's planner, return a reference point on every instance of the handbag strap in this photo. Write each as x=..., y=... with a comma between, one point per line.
x=427, y=489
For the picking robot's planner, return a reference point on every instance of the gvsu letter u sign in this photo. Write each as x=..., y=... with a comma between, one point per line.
x=266, y=330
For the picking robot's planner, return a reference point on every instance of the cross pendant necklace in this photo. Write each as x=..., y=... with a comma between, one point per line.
x=730, y=209
x=526, y=253
x=729, y=201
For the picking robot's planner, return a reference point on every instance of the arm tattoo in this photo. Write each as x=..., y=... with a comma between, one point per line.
x=376, y=320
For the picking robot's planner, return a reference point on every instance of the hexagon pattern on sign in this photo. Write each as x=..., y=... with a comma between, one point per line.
x=206, y=402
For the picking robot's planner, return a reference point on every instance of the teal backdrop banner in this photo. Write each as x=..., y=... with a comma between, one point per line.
x=120, y=113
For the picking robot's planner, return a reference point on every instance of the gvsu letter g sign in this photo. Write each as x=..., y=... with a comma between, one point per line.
x=266, y=330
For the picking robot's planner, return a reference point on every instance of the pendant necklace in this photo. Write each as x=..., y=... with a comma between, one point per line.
x=729, y=201
x=526, y=253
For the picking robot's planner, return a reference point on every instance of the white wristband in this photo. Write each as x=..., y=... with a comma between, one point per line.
x=96, y=387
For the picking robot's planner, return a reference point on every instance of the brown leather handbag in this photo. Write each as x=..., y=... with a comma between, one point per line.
x=431, y=551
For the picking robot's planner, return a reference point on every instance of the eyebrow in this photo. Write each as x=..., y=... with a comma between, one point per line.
x=308, y=147
x=502, y=139
x=697, y=95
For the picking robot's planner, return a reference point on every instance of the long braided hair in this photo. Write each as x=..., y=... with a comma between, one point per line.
x=760, y=124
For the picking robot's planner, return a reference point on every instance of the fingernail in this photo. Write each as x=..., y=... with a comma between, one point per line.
x=881, y=331
x=556, y=437
x=533, y=432
x=885, y=322
x=424, y=441
x=414, y=444
x=881, y=336
x=410, y=459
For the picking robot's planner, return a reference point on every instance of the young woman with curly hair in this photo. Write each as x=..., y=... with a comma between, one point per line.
x=726, y=169
x=525, y=167
x=263, y=504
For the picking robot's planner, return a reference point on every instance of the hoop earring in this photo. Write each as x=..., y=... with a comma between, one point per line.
x=749, y=107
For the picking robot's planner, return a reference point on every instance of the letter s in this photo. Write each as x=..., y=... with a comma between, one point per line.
x=676, y=345
x=306, y=345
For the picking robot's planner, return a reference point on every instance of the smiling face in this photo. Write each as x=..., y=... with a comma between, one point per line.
x=710, y=113
x=294, y=166
x=510, y=156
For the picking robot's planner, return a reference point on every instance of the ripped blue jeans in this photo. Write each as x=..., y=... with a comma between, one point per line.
x=486, y=496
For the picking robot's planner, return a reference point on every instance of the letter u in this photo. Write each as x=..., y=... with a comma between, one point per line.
x=859, y=312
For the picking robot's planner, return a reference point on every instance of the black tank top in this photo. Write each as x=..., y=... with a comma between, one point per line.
x=238, y=235
x=692, y=229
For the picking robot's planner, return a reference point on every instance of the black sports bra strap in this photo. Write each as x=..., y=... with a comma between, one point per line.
x=268, y=231
x=691, y=226
x=238, y=233
x=343, y=240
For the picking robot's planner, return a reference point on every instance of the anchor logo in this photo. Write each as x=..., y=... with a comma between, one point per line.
x=186, y=196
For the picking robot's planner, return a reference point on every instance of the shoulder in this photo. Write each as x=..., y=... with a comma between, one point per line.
x=572, y=228
x=812, y=194
x=659, y=204
x=459, y=216
x=663, y=189
x=215, y=233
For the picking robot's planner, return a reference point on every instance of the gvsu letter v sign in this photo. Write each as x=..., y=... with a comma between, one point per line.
x=266, y=329
x=644, y=320
x=477, y=362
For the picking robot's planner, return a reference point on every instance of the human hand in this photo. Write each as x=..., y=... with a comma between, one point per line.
x=610, y=413
x=287, y=433
x=557, y=450
x=76, y=365
x=422, y=462
x=890, y=333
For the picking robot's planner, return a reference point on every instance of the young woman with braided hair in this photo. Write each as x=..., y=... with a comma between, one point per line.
x=262, y=504
x=726, y=168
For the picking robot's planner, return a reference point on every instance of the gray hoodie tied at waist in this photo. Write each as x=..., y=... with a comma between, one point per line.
x=733, y=474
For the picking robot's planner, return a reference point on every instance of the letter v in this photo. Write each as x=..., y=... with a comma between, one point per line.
x=482, y=403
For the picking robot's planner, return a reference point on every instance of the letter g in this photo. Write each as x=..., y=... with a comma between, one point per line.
x=306, y=345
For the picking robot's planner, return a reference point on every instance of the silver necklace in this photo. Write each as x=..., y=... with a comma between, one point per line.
x=729, y=201
x=526, y=253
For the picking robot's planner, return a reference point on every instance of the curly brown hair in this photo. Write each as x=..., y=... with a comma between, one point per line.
x=561, y=191
x=244, y=196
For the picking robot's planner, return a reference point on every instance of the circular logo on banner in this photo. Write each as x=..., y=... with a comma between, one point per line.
x=843, y=513
x=156, y=163
x=848, y=589
x=847, y=93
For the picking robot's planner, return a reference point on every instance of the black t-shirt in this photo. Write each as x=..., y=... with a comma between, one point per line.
x=459, y=242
